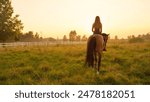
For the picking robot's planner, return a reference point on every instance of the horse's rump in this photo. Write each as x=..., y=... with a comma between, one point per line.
x=94, y=44
x=99, y=42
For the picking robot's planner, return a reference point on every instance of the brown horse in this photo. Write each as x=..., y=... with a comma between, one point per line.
x=95, y=46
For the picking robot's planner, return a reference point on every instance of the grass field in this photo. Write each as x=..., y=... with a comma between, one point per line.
x=123, y=63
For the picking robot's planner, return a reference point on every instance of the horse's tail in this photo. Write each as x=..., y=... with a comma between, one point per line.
x=90, y=51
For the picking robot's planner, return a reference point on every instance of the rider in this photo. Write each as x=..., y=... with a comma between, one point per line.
x=97, y=28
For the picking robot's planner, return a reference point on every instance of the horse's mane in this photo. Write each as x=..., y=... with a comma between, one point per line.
x=104, y=34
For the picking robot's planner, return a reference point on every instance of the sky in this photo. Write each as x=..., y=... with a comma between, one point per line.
x=56, y=18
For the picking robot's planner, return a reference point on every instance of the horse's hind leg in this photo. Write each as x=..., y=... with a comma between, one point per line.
x=99, y=62
x=95, y=58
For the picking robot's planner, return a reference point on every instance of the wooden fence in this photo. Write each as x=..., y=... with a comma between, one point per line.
x=47, y=43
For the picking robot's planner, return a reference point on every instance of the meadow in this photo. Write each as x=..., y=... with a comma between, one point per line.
x=123, y=63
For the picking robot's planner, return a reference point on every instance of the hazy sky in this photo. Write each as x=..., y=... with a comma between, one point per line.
x=58, y=17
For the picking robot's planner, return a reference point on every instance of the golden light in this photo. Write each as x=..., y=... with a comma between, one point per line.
x=58, y=17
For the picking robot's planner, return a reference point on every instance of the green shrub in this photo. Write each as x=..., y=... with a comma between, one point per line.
x=136, y=40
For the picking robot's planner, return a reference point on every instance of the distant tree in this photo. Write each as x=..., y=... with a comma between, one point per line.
x=84, y=38
x=29, y=36
x=129, y=37
x=148, y=36
x=78, y=38
x=72, y=35
x=139, y=36
x=132, y=36
x=65, y=38
x=51, y=39
x=36, y=36
x=10, y=26
x=116, y=37
x=41, y=38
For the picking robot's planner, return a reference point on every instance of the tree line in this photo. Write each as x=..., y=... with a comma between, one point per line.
x=74, y=37
x=139, y=38
x=143, y=36
x=11, y=27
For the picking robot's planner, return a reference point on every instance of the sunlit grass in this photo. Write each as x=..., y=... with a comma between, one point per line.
x=123, y=63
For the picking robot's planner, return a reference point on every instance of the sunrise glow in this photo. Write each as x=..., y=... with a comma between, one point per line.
x=56, y=18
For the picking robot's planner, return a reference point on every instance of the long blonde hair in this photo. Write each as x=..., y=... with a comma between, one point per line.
x=97, y=24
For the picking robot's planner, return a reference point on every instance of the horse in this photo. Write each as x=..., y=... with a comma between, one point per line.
x=96, y=44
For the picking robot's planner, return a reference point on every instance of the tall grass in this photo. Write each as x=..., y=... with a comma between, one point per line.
x=122, y=63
